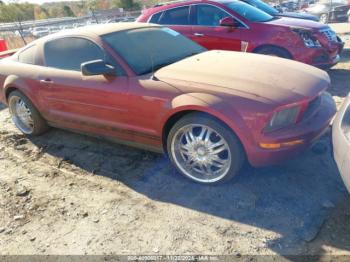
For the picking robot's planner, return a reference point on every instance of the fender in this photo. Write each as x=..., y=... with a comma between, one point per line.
x=258, y=48
x=13, y=81
x=213, y=105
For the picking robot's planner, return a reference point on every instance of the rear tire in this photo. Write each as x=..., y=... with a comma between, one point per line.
x=274, y=51
x=25, y=116
x=204, y=150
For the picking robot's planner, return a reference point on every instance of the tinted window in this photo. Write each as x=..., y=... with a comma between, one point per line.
x=209, y=15
x=147, y=49
x=27, y=56
x=249, y=12
x=263, y=6
x=176, y=16
x=70, y=53
x=155, y=18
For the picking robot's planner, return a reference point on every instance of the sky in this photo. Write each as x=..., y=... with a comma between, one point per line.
x=34, y=1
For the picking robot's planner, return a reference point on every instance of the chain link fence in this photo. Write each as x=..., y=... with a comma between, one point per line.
x=19, y=34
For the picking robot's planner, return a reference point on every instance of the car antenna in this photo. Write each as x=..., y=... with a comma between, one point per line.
x=153, y=77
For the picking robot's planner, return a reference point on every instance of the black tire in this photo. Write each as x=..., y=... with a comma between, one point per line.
x=237, y=154
x=39, y=124
x=324, y=18
x=273, y=51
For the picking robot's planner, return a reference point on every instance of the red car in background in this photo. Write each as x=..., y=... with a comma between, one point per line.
x=237, y=26
x=3, y=45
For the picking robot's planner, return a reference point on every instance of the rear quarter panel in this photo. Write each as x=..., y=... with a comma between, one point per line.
x=23, y=77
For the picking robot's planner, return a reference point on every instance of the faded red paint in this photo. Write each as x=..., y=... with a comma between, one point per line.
x=135, y=109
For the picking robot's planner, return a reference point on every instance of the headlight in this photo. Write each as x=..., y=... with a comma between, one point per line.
x=309, y=40
x=283, y=118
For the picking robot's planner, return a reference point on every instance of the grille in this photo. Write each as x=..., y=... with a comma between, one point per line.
x=330, y=34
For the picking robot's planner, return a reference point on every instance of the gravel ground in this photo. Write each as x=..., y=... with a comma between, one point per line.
x=64, y=193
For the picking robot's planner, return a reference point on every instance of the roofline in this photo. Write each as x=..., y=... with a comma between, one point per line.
x=181, y=2
x=171, y=2
x=95, y=31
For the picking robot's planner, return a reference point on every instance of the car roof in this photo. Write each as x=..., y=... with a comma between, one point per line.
x=96, y=30
x=166, y=5
x=190, y=1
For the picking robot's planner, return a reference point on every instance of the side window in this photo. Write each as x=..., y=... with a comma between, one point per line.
x=27, y=56
x=70, y=53
x=155, y=18
x=176, y=16
x=208, y=15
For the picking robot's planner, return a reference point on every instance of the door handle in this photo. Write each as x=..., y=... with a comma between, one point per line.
x=46, y=81
x=198, y=34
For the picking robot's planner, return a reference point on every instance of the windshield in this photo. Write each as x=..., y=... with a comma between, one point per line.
x=148, y=49
x=249, y=12
x=263, y=6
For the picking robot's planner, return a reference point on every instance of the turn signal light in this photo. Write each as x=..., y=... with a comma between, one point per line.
x=279, y=145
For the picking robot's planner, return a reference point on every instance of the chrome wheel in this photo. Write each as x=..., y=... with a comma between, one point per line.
x=201, y=153
x=21, y=115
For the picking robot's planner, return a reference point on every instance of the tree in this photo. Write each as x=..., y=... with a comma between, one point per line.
x=67, y=11
x=126, y=4
x=55, y=11
x=41, y=13
x=103, y=4
x=16, y=12
x=92, y=4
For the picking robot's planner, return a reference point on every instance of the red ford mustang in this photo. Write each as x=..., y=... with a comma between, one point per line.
x=237, y=26
x=150, y=86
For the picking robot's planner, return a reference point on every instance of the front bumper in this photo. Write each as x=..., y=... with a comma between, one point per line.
x=341, y=141
x=308, y=130
x=322, y=57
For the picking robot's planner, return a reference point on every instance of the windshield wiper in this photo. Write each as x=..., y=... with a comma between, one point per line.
x=156, y=67
x=159, y=66
x=191, y=54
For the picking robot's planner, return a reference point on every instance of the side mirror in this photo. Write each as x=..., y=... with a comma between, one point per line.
x=96, y=67
x=228, y=21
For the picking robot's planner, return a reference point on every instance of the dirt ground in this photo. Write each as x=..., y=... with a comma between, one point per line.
x=65, y=193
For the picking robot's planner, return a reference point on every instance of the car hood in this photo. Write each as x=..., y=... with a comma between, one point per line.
x=276, y=80
x=295, y=22
x=299, y=15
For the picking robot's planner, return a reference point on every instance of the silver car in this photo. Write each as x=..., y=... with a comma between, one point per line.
x=341, y=141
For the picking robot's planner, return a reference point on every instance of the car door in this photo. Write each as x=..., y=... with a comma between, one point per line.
x=82, y=102
x=208, y=32
x=177, y=18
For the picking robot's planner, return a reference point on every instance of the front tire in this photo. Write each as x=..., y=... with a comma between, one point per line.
x=274, y=51
x=204, y=150
x=25, y=116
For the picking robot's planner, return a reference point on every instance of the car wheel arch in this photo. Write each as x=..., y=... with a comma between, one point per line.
x=8, y=91
x=13, y=83
x=260, y=47
x=205, y=108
